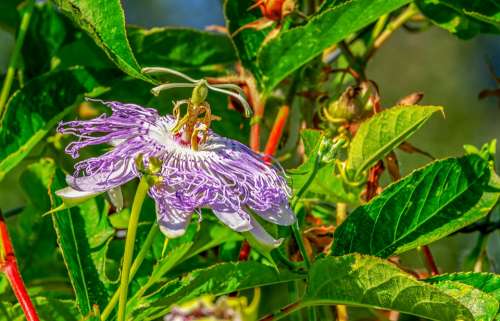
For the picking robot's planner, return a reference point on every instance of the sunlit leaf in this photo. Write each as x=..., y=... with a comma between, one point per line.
x=383, y=132
x=371, y=282
x=484, y=281
x=423, y=207
x=291, y=49
x=483, y=307
x=104, y=21
x=463, y=18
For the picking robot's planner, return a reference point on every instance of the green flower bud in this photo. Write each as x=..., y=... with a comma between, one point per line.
x=200, y=92
x=354, y=103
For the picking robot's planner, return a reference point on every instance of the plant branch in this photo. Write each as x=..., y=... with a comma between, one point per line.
x=276, y=132
x=295, y=227
x=289, y=309
x=8, y=265
x=140, y=195
x=430, y=264
x=133, y=270
x=406, y=15
x=11, y=70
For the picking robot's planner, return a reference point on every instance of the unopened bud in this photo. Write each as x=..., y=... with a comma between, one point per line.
x=353, y=104
x=200, y=92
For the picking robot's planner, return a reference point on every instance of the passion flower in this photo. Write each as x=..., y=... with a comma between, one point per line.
x=195, y=167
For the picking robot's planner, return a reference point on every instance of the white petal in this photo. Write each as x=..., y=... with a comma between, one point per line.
x=239, y=222
x=116, y=197
x=281, y=216
x=261, y=235
x=71, y=196
x=173, y=223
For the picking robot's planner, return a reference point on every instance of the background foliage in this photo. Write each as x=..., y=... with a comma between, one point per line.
x=73, y=49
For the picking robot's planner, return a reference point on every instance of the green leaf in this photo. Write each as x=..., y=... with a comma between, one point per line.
x=47, y=32
x=218, y=279
x=425, y=206
x=483, y=307
x=9, y=16
x=326, y=183
x=212, y=234
x=162, y=267
x=47, y=309
x=33, y=110
x=180, y=47
x=463, y=18
x=33, y=235
x=104, y=21
x=249, y=40
x=82, y=234
x=167, y=262
x=371, y=282
x=383, y=132
x=486, y=282
x=291, y=49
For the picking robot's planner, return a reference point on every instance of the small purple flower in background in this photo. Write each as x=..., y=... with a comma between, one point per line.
x=196, y=168
x=204, y=309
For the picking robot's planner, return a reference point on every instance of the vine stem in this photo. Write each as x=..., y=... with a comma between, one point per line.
x=406, y=15
x=139, y=197
x=286, y=311
x=11, y=69
x=295, y=227
x=276, y=132
x=133, y=270
x=429, y=260
x=342, y=314
x=258, y=102
x=8, y=265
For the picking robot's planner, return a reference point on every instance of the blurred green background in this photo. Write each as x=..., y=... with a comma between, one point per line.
x=450, y=72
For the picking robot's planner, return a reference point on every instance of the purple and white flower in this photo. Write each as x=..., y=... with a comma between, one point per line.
x=222, y=174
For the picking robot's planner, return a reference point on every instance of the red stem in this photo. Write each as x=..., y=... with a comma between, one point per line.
x=255, y=135
x=270, y=150
x=276, y=132
x=244, y=251
x=258, y=103
x=429, y=260
x=8, y=265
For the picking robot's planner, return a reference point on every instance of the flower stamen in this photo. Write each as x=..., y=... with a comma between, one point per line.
x=198, y=113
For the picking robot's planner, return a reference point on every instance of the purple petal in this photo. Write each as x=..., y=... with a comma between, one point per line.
x=172, y=222
x=113, y=174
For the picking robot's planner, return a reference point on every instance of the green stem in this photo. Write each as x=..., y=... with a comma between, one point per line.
x=379, y=26
x=295, y=227
x=300, y=242
x=341, y=213
x=133, y=270
x=309, y=181
x=11, y=70
x=406, y=15
x=286, y=311
x=140, y=195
